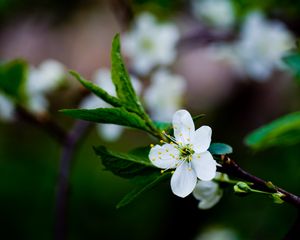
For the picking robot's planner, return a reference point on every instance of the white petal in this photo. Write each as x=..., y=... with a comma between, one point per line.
x=201, y=139
x=165, y=156
x=183, y=180
x=204, y=165
x=184, y=127
x=208, y=192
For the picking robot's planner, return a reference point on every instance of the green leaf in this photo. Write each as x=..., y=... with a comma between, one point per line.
x=163, y=126
x=283, y=131
x=124, y=165
x=120, y=77
x=293, y=62
x=197, y=117
x=117, y=116
x=150, y=182
x=220, y=149
x=12, y=78
x=97, y=90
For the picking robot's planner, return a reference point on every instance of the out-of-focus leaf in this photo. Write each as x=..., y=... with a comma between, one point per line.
x=197, y=117
x=220, y=149
x=116, y=115
x=163, y=126
x=293, y=61
x=149, y=182
x=124, y=165
x=283, y=131
x=12, y=78
x=120, y=77
x=97, y=90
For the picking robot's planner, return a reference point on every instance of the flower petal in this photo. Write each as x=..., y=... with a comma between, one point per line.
x=184, y=127
x=183, y=180
x=165, y=156
x=204, y=165
x=208, y=192
x=201, y=139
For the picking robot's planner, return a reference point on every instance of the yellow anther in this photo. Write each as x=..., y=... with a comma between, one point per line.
x=163, y=132
x=167, y=150
x=161, y=141
x=172, y=172
x=151, y=145
x=190, y=169
x=159, y=153
x=162, y=171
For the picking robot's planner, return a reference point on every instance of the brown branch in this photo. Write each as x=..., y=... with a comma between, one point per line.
x=63, y=188
x=233, y=169
x=44, y=122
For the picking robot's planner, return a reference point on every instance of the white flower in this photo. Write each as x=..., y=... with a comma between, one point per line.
x=102, y=78
x=150, y=43
x=42, y=80
x=7, y=108
x=208, y=192
x=218, y=13
x=187, y=153
x=46, y=77
x=165, y=95
x=262, y=44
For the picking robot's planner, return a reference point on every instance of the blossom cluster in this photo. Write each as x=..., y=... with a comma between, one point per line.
x=39, y=82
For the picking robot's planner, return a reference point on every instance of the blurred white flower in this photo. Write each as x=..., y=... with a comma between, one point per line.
x=218, y=13
x=7, y=108
x=218, y=233
x=164, y=95
x=150, y=43
x=46, y=77
x=42, y=80
x=208, y=192
x=187, y=154
x=261, y=45
x=102, y=78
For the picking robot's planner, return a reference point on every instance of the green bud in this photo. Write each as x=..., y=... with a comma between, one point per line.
x=241, y=188
x=277, y=197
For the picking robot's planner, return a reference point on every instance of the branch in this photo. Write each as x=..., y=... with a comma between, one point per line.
x=232, y=168
x=44, y=122
x=69, y=147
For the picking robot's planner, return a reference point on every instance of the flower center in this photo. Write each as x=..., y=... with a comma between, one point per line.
x=186, y=152
x=146, y=44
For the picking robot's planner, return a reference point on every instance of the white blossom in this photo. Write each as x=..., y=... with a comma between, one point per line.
x=42, y=80
x=261, y=45
x=7, y=108
x=218, y=13
x=208, y=193
x=150, y=43
x=187, y=154
x=102, y=78
x=164, y=95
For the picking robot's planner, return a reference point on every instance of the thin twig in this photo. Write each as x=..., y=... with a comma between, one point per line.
x=69, y=147
x=44, y=122
x=233, y=169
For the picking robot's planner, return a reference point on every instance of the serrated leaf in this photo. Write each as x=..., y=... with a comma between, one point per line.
x=220, y=149
x=97, y=90
x=117, y=116
x=150, y=182
x=293, y=62
x=12, y=78
x=120, y=77
x=124, y=165
x=283, y=131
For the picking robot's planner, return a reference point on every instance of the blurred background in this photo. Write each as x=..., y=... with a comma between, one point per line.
x=218, y=57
